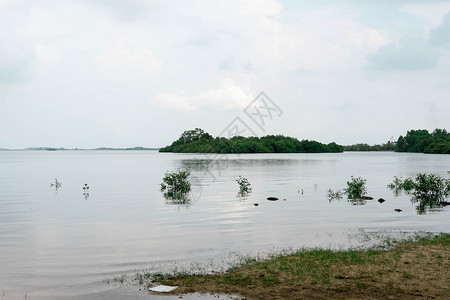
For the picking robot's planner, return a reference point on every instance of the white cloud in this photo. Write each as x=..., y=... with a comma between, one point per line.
x=125, y=63
x=113, y=56
x=228, y=96
x=252, y=9
x=17, y=58
x=440, y=36
x=433, y=13
x=323, y=39
x=407, y=54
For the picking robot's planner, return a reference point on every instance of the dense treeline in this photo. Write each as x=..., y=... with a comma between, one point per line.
x=367, y=147
x=437, y=142
x=199, y=141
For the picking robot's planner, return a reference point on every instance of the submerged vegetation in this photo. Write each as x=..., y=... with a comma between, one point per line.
x=424, y=186
x=57, y=184
x=431, y=186
x=86, y=191
x=244, y=186
x=356, y=187
x=355, y=190
x=410, y=269
x=398, y=184
x=428, y=190
x=334, y=195
x=199, y=141
x=176, y=184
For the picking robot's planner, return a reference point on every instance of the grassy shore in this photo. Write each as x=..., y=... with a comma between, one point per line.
x=418, y=269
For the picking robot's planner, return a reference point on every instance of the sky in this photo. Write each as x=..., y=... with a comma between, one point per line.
x=124, y=73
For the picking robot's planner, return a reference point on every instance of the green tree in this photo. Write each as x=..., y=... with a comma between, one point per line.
x=422, y=141
x=198, y=141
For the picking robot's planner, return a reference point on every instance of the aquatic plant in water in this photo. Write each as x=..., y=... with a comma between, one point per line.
x=244, y=186
x=86, y=191
x=356, y=188
x=176, y=184
x=431, y=186
x=424, y=186
x=334, y=195
x=429, y=190
x=57, y=184
x=398, y=185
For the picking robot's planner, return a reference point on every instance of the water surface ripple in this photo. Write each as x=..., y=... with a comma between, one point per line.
x=59, y=243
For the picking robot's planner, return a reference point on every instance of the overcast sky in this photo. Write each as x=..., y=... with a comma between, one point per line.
x=121, y=73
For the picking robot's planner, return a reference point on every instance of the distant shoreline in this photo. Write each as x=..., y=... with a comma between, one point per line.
x=80, y=149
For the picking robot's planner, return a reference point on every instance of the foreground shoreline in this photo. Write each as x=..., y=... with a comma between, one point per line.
x=413, y=269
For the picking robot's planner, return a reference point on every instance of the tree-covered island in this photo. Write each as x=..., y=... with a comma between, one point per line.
x=199, y=141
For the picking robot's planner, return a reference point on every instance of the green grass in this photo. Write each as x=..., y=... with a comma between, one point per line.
x=403, y=268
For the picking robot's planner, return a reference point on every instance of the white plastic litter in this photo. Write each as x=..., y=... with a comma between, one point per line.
x=163, y=288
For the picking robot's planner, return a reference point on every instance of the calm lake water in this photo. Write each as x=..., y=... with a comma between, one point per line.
x=61, y=243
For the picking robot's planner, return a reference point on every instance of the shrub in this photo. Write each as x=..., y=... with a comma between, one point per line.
x=398, y=184
x=244, y=185
x=332, y=195
x=176, y=183
x=356, y=188
x=431, y=186
x=429, y=190
x=424, y=186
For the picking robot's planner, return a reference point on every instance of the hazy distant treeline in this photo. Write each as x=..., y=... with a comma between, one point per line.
x=199, y=141
x=367, y=147
x=420, y=141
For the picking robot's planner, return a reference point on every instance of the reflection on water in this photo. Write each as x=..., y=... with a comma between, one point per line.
x=53, y=244
x=177, y=198
x=427, y=191
x=357, y=201
x=188, y=192
x=223, y=161
x=426, y=205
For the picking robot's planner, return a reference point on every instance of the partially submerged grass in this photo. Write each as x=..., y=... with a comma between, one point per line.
x=410, y=269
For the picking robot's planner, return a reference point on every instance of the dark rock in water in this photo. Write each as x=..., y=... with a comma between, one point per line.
x=256, y=204
x=381, y=200
x=366, y=198
x=284, y=199
x=398, y=210
x=272, y=198
x=444, y=203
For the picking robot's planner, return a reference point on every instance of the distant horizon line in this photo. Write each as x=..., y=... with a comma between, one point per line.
x=78, y=149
